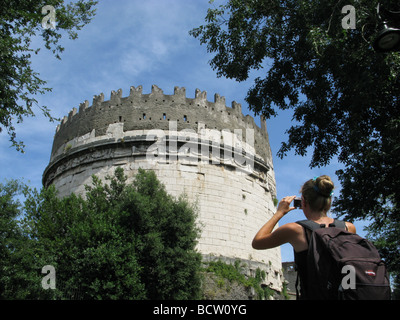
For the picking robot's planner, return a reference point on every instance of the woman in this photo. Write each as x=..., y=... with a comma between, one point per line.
x=316, y=201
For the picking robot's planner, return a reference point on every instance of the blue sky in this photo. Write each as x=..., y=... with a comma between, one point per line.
x=132, y=43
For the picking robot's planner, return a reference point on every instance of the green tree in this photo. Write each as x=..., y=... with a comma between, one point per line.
x=385, y=237
x=20, y=263
x=344, y=95
x=83, y=241
x=10, y=233
x=20, y=21
x=119, y=242
x=165, y=236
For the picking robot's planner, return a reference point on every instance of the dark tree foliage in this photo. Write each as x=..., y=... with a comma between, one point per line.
x=122, y=241
x=20, y=21
x=344, y=95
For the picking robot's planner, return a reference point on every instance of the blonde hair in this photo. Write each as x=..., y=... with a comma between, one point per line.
x=318, y=192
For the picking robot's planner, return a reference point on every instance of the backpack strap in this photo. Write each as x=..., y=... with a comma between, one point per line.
x=339, y=224
x=311, y=225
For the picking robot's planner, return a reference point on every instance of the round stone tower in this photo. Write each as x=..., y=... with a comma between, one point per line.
x=212, y=153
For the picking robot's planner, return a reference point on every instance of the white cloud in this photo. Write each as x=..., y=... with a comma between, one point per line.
x=135, y=62
x=160, y=32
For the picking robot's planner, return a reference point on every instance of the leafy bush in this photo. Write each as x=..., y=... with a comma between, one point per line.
x=121, y=242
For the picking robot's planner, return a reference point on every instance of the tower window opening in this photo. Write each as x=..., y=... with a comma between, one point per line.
x=164, y=116
x=185, y=118
x=144, y=116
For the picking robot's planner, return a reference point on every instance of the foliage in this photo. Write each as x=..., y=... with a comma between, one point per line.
x=20, y=22
x=234, y=273
x=344, y=95
x=385, y=237
x=12, y=260
x=121, y=242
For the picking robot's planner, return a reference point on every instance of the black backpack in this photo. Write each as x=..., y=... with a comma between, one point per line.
x=342, y=265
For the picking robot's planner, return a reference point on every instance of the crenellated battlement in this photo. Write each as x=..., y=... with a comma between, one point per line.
x=140, y=111
x=137, y=94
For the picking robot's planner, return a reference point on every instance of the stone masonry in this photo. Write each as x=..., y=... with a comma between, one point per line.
x=212, y=153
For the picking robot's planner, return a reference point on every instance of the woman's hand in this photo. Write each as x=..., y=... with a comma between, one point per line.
x=284, y=205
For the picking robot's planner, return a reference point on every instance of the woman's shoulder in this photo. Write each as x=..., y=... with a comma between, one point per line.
x=350, y=227
x=298, y=239
x=294, y=227
x=295, y=230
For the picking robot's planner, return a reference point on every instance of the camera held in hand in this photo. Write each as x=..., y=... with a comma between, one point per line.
x=297, y=202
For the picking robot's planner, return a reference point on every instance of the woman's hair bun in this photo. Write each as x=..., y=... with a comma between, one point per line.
x=325, y=185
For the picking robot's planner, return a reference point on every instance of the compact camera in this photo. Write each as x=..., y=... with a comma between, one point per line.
x=297, y=202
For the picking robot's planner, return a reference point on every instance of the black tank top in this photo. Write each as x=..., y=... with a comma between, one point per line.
x=300, y=260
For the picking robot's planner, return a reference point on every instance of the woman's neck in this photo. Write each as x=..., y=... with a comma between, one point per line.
x=318, y=216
